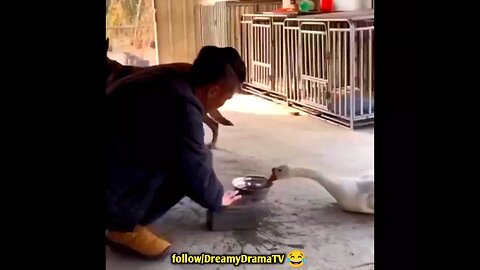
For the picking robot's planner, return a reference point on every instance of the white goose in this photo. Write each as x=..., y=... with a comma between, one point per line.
x=351, y=194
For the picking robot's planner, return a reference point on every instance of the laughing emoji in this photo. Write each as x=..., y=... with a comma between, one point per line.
x=296, y=258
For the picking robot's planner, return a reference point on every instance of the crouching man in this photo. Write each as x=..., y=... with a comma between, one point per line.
x=155, y=145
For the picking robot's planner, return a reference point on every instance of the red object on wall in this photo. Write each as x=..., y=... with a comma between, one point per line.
x=326, y=6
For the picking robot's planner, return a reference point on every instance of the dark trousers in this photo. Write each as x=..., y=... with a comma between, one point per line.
x=138, y=198
x=166, y=197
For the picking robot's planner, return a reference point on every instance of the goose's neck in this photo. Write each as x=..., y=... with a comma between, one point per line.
x=315, y=175
x=308, y=173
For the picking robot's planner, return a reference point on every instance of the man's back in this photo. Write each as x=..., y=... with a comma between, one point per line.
x=117, y=72
x=145, y=112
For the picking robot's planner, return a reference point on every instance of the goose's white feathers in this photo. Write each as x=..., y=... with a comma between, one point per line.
x=353, y=194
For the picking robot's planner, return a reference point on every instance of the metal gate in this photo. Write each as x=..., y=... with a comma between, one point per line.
x=290, y=61
x=279, y=84
x=262, y=53
x=313, y=65
x=352, y=70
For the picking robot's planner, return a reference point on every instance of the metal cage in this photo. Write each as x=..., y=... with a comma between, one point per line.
x=320, y=63
x=336, y=66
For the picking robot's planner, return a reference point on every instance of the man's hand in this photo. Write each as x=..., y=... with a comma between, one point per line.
x=229, y=197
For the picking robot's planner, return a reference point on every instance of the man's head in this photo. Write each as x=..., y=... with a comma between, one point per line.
x=216, y=74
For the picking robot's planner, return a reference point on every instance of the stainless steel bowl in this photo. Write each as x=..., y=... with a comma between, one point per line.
x=252, y=187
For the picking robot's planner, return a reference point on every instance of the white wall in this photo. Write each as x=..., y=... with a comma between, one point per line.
x=352, y=4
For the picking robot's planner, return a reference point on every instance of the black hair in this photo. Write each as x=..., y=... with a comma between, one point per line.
x=212, y=63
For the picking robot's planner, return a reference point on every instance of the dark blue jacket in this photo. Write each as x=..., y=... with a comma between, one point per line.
x=155, y=134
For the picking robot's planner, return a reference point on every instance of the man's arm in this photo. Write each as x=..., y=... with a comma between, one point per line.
x=196, y=168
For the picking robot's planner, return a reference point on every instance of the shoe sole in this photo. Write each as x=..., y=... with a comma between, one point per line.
x=126, y=250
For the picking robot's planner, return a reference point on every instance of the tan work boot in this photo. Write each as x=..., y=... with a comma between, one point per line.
x=140, y=242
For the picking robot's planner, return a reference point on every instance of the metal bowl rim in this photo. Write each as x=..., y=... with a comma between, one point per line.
x=252, y=176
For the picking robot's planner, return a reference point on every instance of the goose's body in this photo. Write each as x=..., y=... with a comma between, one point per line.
x=351, y=194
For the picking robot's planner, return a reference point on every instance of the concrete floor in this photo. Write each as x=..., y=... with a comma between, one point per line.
x=299, y=213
